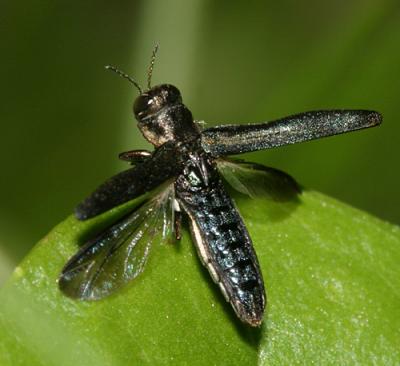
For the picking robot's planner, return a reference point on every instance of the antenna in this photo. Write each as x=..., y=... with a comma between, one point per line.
x=150, y=71
x=125, y=76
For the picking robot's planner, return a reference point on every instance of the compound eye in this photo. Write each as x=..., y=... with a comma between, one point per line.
x=141, y=105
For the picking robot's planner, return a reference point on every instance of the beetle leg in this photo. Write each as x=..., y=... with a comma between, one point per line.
x=178, y=225
x=135, y=156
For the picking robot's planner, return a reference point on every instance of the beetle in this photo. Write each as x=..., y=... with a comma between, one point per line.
x=185, y=173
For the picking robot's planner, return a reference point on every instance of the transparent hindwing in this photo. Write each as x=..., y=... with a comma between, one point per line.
x=120, y=253
x=257, y=180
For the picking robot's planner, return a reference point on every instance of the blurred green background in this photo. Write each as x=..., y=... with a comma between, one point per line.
x=64, y=119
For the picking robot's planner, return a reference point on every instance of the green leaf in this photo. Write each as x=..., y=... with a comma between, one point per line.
x=331, y=273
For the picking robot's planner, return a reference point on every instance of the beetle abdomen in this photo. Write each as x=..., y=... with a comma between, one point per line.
x=221, y=238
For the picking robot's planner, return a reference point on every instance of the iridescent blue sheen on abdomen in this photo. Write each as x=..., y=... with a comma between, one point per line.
x=222, y=240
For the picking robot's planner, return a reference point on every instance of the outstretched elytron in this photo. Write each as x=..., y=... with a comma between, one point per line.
x=184, y=175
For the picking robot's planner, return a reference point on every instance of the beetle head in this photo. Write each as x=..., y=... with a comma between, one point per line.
x=159, y=110
x=162, y=117
x=155, y=99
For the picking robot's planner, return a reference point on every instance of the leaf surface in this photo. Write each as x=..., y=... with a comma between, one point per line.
x=332, y=280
